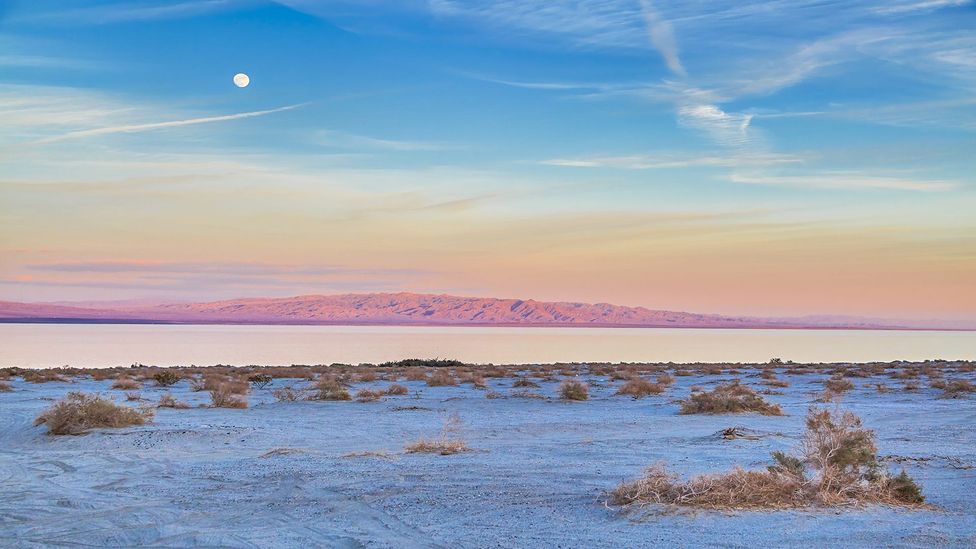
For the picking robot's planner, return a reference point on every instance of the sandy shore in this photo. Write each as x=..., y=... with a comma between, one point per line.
x=205, y=477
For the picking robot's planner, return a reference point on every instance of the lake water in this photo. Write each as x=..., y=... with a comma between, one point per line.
x=97, y=345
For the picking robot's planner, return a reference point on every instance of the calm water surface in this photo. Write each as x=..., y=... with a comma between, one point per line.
x=94, y=345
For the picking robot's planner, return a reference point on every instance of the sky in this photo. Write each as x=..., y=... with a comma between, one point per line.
x=751, y=157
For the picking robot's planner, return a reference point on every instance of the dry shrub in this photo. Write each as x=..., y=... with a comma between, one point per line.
x=640, y=387
x=126, y=384
x=736, y=489
x=449, y=442
x=288, y=394
x=329, y=388
x=911, y=386
x=836, y=446
x=665, y=379
x=573, y=390
x=225, y=396
x=477, y=381
x=133, y=397
x=367, y=376
x=957, y=388
x=527, y=394
x=165, y=378
x=5, y=387
x=837, y=384
x=729, y=398
x=524, y=382
x=396, y=389
x=42, y=376
x=441, y=378
x=882, y=388
x=78, y=412
x=415, y=374
x=260, y=380
x=367, y=395
x=494, y=395
x=169, y=401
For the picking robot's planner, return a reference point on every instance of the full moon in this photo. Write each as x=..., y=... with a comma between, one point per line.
x=241, y=80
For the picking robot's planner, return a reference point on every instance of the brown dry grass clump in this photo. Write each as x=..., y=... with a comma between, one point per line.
x=329, y=388
x=288, y=394
x=837, y=384
x=133, y=397
x=415, y=374
x=42, y=376
x=367, y=395
x=5, y=387
x=573, y=390
x=836, y=446
x=524, y=382
x=449, y=442
x=729, y=398
x=225, y=395
x=396, y=389
x=639, y=387
x=957, y=388
x=79, y=412
x=126, y=384
x=441, y=378
x=169, y=401
x=165, y=378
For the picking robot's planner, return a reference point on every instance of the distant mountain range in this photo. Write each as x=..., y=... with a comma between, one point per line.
x=420, y=309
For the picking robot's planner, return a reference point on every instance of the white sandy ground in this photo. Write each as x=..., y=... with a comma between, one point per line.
x=197, y=478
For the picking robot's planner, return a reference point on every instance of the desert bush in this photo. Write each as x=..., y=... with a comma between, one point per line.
x=423, y=362
x=367, y=395
x=524, y=382
x=449, y=442
x=639, y=387
x=415, y=374
x=882, y=388
x=225, y=396
x=133, y=397
x=527, y=394
x=396, y=389
x=911, y=386
x=729, y=398
x=165, y=378
x=169, y=401
x=79, y=412
x=573, y=390
x=126, y=384
x=288, y=394
x=957, y=388
x=5, y=387
x=329, y=388
x=665, y=379
x=838, y=384
x=736, y=489
x=839, y=449
x=494, y=395
x=367, y=376
x=441, y=378
x=260, y=380
x=42, y=376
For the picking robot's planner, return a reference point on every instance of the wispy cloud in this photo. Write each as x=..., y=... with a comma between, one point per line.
x=134, y=128
x=846, y=180
x=649, y=162
x=662, y=37
x=120, y=12
x=350, y=140
x=925, y=5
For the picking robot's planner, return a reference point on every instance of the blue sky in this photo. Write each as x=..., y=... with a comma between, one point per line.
x=504, y=148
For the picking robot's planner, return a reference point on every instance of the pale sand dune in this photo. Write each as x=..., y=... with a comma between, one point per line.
x=203, y=477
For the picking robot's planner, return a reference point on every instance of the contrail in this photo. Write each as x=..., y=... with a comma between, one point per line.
x=134, y=128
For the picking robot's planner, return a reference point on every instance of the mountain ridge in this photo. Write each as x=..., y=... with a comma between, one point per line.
x=406, y=308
